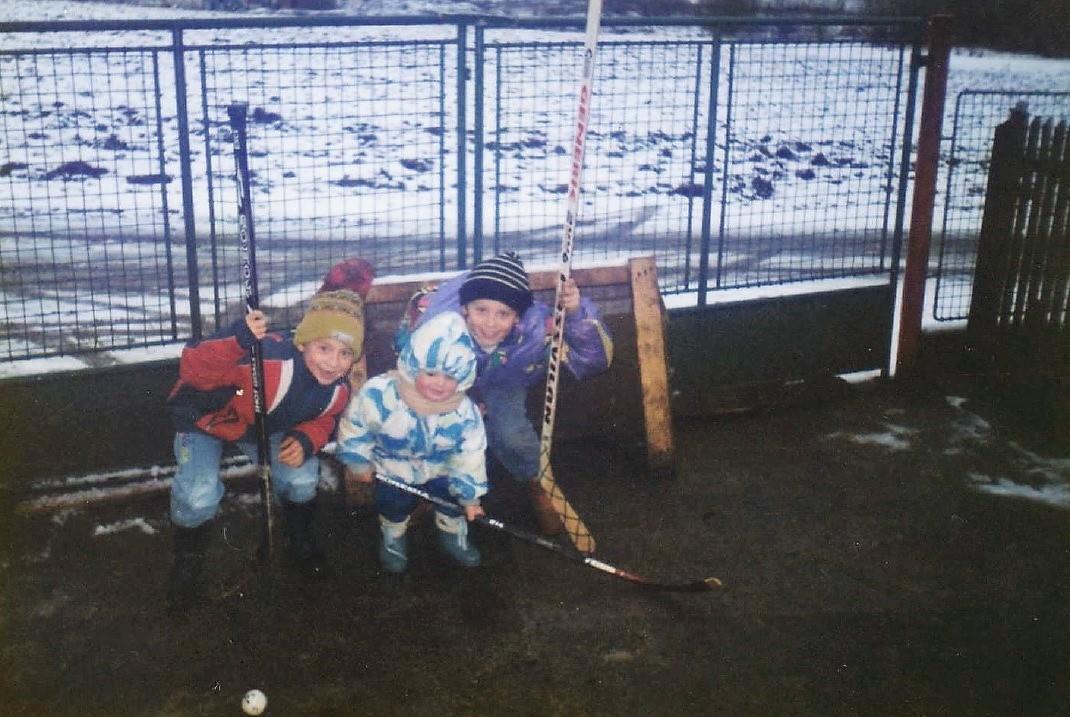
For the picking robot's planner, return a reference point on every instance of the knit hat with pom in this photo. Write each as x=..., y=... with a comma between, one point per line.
x=352, y=275
x=502, y=279
x=441, y=344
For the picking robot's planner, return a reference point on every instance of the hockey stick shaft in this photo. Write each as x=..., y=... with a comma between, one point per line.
x=247, y=244
x=574, y=526
x=528, y=537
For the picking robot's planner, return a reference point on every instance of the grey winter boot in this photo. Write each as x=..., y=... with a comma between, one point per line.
x=190, y=548
x=309, y=559
x=394, y=548
x=453, y=539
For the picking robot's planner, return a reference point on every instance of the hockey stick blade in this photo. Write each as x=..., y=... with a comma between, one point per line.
x=696, y=586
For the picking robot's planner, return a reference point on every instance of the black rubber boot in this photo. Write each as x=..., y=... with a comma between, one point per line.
x=308, y=558
x=191, y=545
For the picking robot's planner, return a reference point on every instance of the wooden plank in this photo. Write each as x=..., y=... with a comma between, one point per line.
x=653, y=367
x=541, y=280
x=990, y=273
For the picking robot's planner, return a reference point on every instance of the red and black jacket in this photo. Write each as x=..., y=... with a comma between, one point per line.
x=214, y=390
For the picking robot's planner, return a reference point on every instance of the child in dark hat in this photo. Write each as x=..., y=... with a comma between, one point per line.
x=512, y=333
x=306, y=384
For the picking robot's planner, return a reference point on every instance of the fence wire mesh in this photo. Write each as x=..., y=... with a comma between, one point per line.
x=734, y=162
x=811, y=162
x=345, y=159
x=639, y=193
x=84, y=250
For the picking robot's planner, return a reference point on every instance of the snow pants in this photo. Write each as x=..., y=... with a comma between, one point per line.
x=510, y=435
x=396, y=505
x=196, y=488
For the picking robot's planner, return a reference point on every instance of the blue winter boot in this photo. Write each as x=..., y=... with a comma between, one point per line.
x=393, y=550
x=453, y=539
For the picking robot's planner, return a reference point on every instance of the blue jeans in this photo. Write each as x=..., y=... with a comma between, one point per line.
x=510, y=435
x=396, y=505
x=196, y=488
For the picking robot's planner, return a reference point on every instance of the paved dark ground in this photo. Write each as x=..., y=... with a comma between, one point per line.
x=864, y=574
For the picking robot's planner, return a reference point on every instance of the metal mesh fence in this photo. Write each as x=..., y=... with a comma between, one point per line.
x=84, y=255
x=810, y=169
x=350, y=148
x=734, y=162
x=639, y=194
x=806, y=170
x=977, y=114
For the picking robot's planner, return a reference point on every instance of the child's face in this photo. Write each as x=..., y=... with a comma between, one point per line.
x=327, y=359
x=435, y=385
x=489, y=321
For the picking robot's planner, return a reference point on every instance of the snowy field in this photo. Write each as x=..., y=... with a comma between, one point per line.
x=797, y=172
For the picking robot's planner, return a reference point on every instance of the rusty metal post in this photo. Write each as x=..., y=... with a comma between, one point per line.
x=921, y=212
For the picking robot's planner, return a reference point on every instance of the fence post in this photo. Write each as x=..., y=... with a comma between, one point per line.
x=1004, y=175
x=478, y=143
x=921, y=212
x=187, y=185
x=462, y=148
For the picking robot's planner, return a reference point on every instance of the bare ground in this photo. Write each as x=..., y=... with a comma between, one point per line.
x=864, y=574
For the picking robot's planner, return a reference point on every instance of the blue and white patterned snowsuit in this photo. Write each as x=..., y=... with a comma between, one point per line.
x=442, y=452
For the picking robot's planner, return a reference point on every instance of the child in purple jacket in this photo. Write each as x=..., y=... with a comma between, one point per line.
x=512, y=334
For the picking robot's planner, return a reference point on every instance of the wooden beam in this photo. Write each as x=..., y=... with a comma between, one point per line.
x=540, y=279
x=653, y=367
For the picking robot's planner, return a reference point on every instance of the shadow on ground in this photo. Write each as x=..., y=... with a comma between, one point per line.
x=869, y=566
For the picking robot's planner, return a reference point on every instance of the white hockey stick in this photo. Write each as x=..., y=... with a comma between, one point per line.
x=577, y=531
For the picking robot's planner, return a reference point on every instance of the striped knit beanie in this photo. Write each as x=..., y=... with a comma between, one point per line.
x=502, y=279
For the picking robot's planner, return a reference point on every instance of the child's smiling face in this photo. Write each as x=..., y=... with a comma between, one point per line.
x=489, y=321
x=435, y=385
x=327, y=359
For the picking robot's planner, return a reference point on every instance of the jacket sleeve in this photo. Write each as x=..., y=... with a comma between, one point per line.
x=315, y=433
x=467, y=467
x=589, y=346
x=213, y=362
x=359, y=424
x=447, y=297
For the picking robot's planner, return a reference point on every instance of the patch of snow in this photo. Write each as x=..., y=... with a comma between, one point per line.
x=1053, y=494
x=956, y=401
x=894, y=439
x=128, y=524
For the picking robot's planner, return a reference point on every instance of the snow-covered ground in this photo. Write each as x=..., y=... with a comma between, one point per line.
x=800, y=167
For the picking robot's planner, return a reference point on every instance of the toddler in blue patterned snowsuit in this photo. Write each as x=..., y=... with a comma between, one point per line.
x=417, y=426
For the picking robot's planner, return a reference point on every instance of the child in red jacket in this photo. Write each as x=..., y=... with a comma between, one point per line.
x=306, y=385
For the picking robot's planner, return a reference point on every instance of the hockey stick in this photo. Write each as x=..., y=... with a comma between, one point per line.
x=577, y=531
x=696, y=586
x=247, y=244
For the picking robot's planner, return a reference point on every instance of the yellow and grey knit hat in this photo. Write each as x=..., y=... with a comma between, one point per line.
x=334, y=315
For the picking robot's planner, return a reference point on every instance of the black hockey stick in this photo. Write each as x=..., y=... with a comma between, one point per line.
x=697, y=586
x=247, y=243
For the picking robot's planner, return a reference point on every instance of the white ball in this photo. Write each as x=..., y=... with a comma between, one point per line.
x=254, y=702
